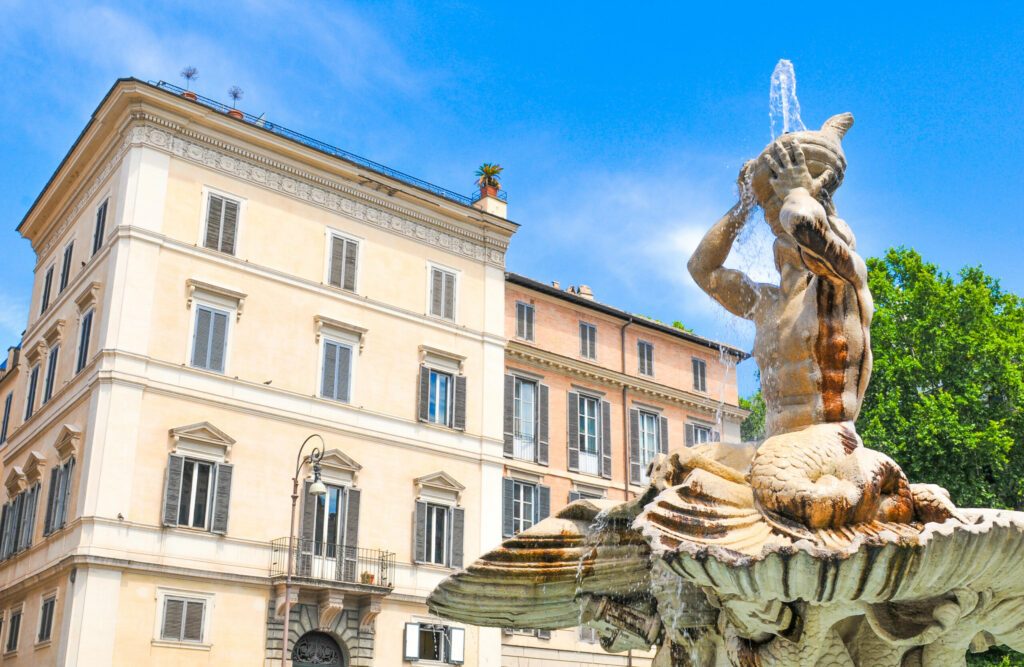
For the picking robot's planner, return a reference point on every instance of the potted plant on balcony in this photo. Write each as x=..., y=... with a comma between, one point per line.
x=190, y=74
x=366, y=578
x=235, y=93
x=489, y=179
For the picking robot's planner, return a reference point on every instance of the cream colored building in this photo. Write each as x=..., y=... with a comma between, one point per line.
x=208, y=293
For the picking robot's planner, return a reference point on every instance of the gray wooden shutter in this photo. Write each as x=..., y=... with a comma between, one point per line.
x=542, y=424
x=529, y=323
x=214, y=211
x=344, y=373
x=29, y=514
x=663, y=435
x=351, y=263
x=716, y=436
x=47, y=284
x=459, y=415
x=230, y=227
x=222, y=498
x=574, y=430
x=172, y=489
x=3, y=530
x=64, y=501
x=51, y=495
x=543, y=503
x=449, y=296
x=201, y=338
x=634, y=446
x=606, y=439
x=458, y=536
x=329, y=382
x=337, y=269
x=174, y=612
x=98, y=232
x=691, y=435
x=424, y=398
x=193, y=629
x=83, y=341
x=307, y=532
x=351, y=533
x=507, y=499
x=218, y=341
x=509, y=415
x=543, y=634
x=420, y=532
x=436, y=293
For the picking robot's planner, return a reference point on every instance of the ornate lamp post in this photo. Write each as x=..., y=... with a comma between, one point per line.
x=317, y=488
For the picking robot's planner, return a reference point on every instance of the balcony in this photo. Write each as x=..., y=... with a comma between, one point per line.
x=333, y=577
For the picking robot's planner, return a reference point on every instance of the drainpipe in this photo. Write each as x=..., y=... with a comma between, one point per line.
x=625, y=409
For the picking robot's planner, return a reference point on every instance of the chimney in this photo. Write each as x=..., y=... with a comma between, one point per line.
x=556, y=284
x=585, y=292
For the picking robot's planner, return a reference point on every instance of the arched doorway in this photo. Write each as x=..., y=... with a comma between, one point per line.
x=317, y=648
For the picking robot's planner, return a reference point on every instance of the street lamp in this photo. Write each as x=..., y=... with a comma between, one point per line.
x=316, y=489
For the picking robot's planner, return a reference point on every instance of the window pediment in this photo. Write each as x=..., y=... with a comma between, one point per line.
x=330, y=327
x=67, y=441
x=439, y=485
x=88, y=297
x=338, y=467
x=441, y=358
x=202, y=439
x=35, y=353
x=55, y=334
x=33, y=469
x=16, y=481
x=229, y=298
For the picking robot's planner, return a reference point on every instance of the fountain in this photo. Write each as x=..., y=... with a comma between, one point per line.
x=808, y=549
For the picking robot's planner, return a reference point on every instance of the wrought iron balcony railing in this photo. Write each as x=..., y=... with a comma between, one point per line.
x=332, y=562
x=324, y=147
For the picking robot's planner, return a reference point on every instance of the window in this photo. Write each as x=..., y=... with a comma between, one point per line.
x=221, y=224
x=525, y=419
x=46, y=619
x=65, y=267
x=587, y=634
x=183, y=619
x=58, y=497
x=13, y=630
x=30, y=395
x=84, y=333
x=524, y=321
x=47, y=285
x=588, y=341
x=436, y=534
x=99, y=230
x=523, y=507
x=196, y=486
x=649, y=441
x=337, y=371
x=435, y=642
x=343, y=263
x=645, y=353
x=51, y=373
x=440, y=398
x=442, y=293
x=523, y=504
x=697, y=434
x=700, y=375
x=589, y=456
x=7, y=417
x=209, y=343
x=17, y=521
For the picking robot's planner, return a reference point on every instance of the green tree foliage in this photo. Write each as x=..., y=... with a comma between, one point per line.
x=752, y=428
x=946, y=398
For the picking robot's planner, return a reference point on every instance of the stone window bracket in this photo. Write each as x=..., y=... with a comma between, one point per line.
x=325, y=326
x=216, y=295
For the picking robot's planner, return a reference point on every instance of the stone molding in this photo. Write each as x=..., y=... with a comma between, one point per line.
x=305, y=186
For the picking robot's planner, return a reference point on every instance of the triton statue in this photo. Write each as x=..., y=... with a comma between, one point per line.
x=809, y=549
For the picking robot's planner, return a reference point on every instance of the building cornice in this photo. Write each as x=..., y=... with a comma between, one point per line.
x=594, y=373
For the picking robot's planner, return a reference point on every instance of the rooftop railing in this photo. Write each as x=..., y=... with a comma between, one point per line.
x=314, y=559
x=316, y=144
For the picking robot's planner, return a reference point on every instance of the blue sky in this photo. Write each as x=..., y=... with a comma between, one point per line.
x=621, y=127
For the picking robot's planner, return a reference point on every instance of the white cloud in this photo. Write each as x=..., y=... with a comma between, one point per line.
x=13, y=317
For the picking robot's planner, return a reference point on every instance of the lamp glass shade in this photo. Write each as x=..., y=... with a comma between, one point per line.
x=317, y=488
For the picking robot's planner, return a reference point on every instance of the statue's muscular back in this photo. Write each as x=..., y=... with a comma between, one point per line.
x=813, y=348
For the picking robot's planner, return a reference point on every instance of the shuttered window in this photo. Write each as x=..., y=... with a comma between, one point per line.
x=588, y=341
x=523, y=505
x=58, y=497
x=697, y=434
x=442, y=293
x=46, y=619
x=51, y=373
x=84, y=334
x=197, y=494
x=648, y=437
x=525, y=419
x=183, y=619
x=587, y=438
x=99, y=230
x=18, y=522
x=336, y=371
x=210, y=339
x=30, y=395
x=524, y=321
x=6, y=423
x=65, y=267
x=439, y=534
x=47, y=286
x=13, y=630
x=344, y=262
x=435, y=643
x=700, y=375
x=221, y=224
x=645, y=356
